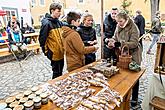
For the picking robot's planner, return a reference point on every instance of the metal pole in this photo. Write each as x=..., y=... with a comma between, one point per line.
x=102, y=43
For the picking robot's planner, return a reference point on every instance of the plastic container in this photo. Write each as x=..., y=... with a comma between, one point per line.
x=34, y=88
x=18, y=107
x=19, y=96
x=37, y=102
x=10, y=100
x=29, y=105
x=23, y=100
x=13, y=104
x=44, y=98
x=31, y=96
x=3, y=105
x=27, y=93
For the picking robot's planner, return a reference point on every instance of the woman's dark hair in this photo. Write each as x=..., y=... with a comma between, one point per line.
x=54, y=6
x=72, y=16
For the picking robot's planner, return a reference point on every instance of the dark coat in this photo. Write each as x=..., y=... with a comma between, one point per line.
x=129, y=36
x=140, y=22
x=87, y=34
x=109, y=27
x=50, y=38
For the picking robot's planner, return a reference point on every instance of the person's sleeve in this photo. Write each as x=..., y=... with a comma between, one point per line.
x=79, y=46
x=136, y=20
x=133, y=38
x=18, y=23
x=157, y=24
x=43, y=35
x=115, y=36
x=95, y=34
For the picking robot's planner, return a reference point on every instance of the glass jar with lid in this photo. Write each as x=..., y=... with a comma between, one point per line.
x=37, y=102
x=10, y=100
x=44, y=98
x=29, y=105
x=18, y=107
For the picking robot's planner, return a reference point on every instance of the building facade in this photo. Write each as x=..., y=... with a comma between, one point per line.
x=92, y=6
x=19, y=8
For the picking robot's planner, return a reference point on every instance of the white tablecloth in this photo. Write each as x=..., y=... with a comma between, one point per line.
x=155, y=89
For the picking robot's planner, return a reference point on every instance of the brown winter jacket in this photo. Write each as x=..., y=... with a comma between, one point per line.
x=130, y=35
x=74, y=49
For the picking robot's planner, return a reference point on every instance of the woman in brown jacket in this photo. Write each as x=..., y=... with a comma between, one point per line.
x=127, y=33
x=73, y=44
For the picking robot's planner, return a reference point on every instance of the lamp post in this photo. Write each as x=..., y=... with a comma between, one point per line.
x=102, y=43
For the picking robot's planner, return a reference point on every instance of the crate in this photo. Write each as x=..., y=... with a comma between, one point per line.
x=160, y=59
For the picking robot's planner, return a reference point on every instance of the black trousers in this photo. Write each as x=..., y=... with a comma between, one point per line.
x=135, y=91
x=57, y=68
x=89, y=58
x=109, y=53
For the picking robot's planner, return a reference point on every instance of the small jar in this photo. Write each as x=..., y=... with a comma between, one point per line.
x=3, y=105
x=23, y=100
x=34, y=88
x=10, y=100
x=19, y=96
x=18, y=107
x=44, y=98
x=13, y=104
x=29, y=105
x=39, y=92
x=31, y=96
x=27, y=93
x=37, y=102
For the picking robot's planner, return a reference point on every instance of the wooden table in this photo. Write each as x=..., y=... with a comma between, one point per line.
x=122, y=82
x=32, y=36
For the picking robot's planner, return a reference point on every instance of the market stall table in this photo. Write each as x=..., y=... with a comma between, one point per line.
x=122, y=82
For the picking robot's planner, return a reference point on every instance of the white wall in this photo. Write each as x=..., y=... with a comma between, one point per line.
x=19, y=4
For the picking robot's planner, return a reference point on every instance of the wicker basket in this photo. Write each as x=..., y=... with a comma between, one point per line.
x=124, y=59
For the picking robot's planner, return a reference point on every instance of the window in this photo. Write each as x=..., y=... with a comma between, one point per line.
x=80, y=1
x=9, y=14
x=42, y=2
x=33, y=2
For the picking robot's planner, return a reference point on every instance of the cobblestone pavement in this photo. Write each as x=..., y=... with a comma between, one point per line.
x=36, y=70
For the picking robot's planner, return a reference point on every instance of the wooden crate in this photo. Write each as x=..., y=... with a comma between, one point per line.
x=160, y=58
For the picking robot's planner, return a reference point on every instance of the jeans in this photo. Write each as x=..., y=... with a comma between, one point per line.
x=57, y=68
x=155, y=39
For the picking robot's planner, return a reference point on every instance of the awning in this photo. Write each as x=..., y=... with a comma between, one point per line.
x=2, y=12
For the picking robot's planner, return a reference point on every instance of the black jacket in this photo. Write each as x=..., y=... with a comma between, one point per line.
x=109, y=27
x=28, y=28
x=50, y=38
x=87, y=34
x=140, y=22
